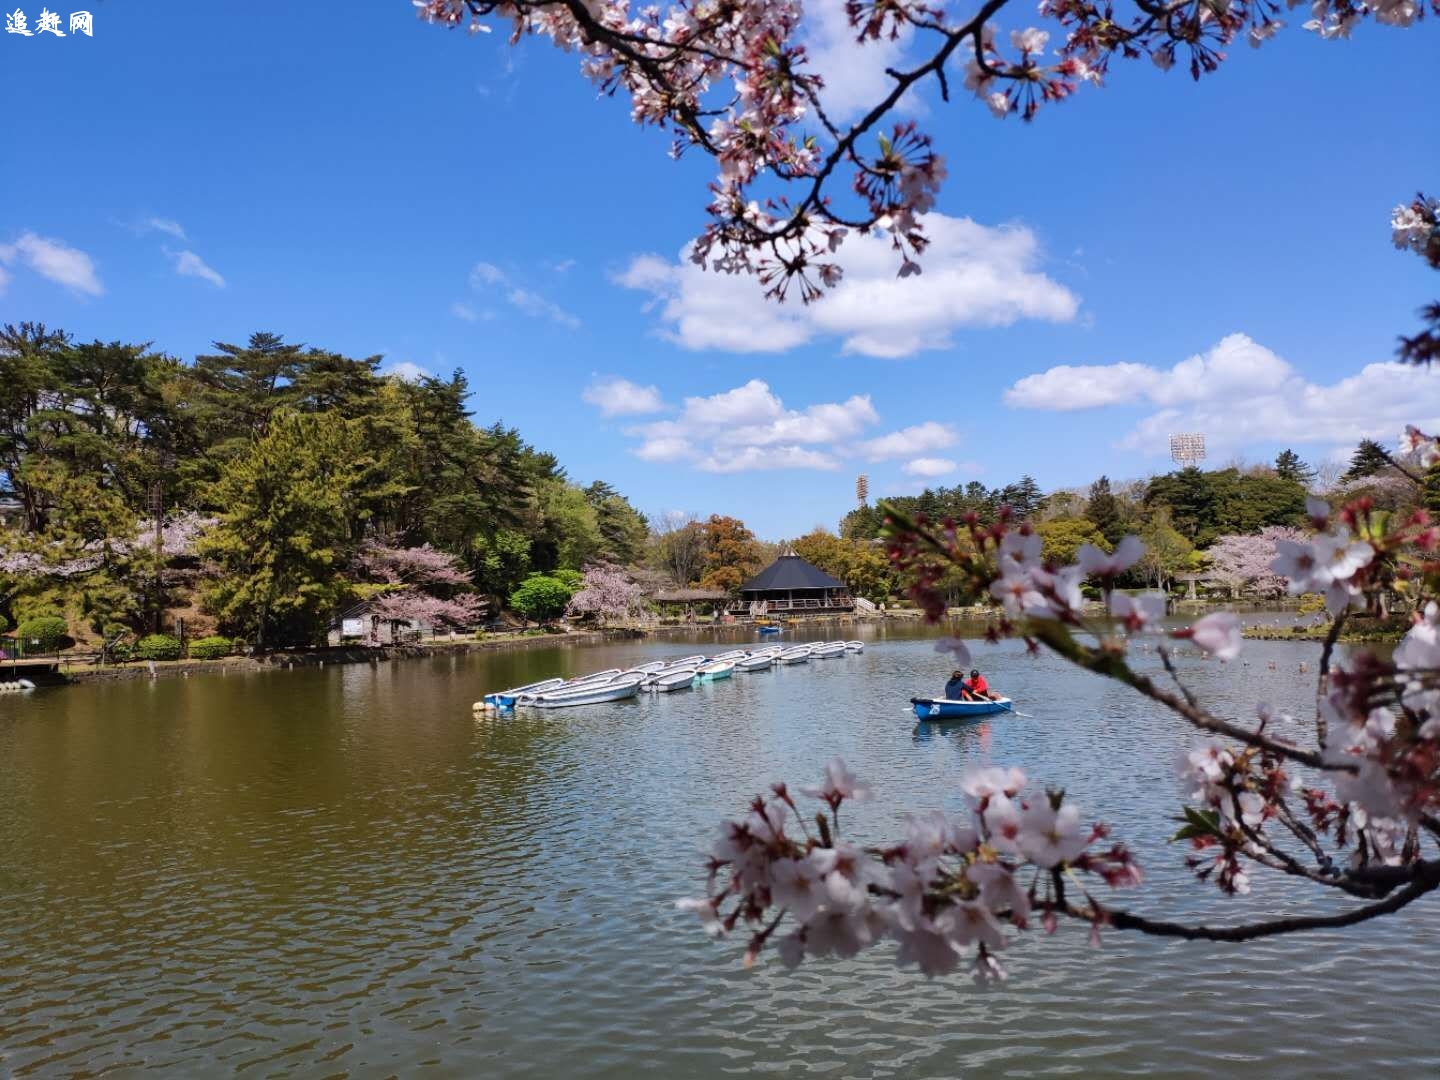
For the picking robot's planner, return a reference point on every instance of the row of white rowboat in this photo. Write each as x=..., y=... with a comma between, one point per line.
x=16, y=686
x=658, y=676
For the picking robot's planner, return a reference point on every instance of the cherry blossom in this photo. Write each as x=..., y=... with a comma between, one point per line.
x=949, y=891
x=1108, y=566
x=1217, y=634
x=1139, y=613
x=1327, y=565
x=792, y=181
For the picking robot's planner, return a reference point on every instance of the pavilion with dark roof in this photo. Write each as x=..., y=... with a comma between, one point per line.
x=792, y=586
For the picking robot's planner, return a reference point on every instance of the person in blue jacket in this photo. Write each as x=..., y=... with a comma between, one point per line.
x=956, y=690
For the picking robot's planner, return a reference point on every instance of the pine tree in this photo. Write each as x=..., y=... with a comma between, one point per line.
x=1431, y=494
x=1289, y=466
x=1025, y=497
x=1369, y=458
x=1104, y=510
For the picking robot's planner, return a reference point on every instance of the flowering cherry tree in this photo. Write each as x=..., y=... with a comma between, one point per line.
x=408, y=578
x=607, y=593
x=1244, y=562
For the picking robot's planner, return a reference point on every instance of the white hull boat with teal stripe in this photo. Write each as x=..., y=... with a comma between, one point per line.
x=711, y=672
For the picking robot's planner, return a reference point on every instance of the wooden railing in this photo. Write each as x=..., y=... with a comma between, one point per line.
x=772, y=607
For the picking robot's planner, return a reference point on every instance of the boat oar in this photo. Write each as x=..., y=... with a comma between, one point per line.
x=1010, y=707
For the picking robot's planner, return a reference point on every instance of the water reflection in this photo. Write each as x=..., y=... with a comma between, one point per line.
x=344, y=872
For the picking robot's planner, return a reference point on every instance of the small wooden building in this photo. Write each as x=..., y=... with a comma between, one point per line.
x=361, y=625
x=792, y=586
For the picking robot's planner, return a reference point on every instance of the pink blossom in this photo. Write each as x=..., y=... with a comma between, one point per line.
x=1097, y=563
x=1217, y=634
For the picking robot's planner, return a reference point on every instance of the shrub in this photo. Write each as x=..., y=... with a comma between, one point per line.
x=209, y=648
x=44, y=633
x=157, y=647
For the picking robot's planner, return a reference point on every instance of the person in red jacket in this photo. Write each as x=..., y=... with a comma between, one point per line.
x=978, y=686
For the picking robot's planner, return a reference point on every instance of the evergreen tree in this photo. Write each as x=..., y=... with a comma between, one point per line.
x=1289, y=466
x=1369, y=458
x=285, y=536
x=1024, y=497
x=1431, y=492
x=1104, y=510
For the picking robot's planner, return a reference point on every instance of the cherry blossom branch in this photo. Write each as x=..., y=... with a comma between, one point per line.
x=1112, y=666
x=1425, y=880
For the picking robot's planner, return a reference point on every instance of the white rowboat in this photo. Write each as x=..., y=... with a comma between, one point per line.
x=759, y=662
x=669, y=681
x=593, y=694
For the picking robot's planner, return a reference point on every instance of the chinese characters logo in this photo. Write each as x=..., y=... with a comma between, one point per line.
x=49, y=23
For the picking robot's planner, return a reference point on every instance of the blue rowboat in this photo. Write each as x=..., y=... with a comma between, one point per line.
x=505, y=699
x=769, y=629
x=943, y=709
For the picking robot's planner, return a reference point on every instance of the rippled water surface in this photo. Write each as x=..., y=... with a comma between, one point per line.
x=340, y=872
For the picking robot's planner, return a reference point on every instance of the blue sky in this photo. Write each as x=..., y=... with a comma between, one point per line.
x=366, y=183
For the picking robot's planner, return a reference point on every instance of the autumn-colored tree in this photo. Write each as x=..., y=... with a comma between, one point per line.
x=732, y=555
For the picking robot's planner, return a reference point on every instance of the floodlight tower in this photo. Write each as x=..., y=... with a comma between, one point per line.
x=862, y=489
x=1187, y=450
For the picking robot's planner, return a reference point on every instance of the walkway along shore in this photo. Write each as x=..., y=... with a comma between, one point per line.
x=63, y=671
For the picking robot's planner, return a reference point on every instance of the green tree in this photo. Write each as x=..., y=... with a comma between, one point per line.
x=1104, y=510
x=1024, y=497
x=1062, y=537
x=623, y=529
x=293, y=500
x=1167, y=551
x=1369, y=458
x=1431, y=493
x=1289, y=466
x=858, y=563
x=542, y=597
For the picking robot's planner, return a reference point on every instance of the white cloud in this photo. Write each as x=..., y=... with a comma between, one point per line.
x=165, y=225
x=929, y=466
x=749, y=428
x=854, y=74
x=916, y=439
x=1239, y=394
x=536, y=305
x=974, y=275
x=53, y=260
x=1237, y=365
x=408, y=370
x=4, y=278
x=464, y=311
x=563, y=265
x=621, y=397
x=484, y=273
x=665, y=448
x=188, y=264
x=488, y=278
x=753, y=458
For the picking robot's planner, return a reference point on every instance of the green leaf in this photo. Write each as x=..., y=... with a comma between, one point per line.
x=1198, y=823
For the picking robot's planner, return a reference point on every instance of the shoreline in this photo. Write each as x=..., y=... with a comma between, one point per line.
x=63, y=673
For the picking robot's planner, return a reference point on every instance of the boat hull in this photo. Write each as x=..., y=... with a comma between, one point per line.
x=711, y=672
x=587, y=696
x=943, y=709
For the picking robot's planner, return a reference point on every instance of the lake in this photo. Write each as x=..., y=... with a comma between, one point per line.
x=341, y=872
